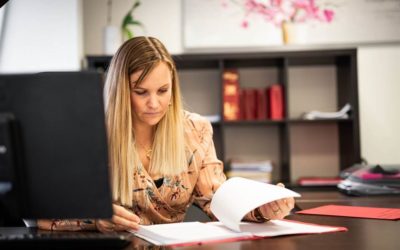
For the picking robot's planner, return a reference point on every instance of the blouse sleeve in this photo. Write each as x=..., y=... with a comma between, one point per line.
x=211, y=174
x=67, y=225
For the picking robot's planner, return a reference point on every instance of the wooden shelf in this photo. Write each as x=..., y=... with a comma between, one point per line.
x=281, y=140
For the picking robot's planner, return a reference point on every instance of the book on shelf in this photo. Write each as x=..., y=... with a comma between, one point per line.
x=261, y=97
x=249, y=103
x=252, y=175
x=231, y=100
x=275, y=102
x=232, y=201
x=253, y=104
x=260, y=170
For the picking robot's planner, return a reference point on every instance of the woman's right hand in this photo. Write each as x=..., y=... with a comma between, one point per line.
x=122, y=220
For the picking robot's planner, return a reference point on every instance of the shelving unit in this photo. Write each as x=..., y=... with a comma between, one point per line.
x=322, y=80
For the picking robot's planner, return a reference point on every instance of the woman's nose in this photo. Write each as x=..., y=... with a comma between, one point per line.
x=153, y=102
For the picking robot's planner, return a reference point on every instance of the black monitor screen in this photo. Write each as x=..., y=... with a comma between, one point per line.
x=53, y=145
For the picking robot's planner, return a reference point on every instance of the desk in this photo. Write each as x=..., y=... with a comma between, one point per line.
x=362, y=234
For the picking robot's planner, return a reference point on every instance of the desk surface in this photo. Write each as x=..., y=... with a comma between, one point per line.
x=362, y=233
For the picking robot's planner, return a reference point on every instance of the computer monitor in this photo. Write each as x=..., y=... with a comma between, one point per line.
x=53, y=146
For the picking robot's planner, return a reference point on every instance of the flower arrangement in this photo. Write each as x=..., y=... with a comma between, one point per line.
x=281, y=11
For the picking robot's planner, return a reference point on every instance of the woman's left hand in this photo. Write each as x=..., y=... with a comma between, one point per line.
x=277, y=209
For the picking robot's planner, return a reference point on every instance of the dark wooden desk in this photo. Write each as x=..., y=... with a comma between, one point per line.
x=363, y=234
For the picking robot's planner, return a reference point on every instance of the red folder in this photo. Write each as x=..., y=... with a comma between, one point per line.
x=354, y=211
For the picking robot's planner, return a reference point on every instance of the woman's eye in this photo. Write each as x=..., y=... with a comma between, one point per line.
x=140, y=92
x=163, y=90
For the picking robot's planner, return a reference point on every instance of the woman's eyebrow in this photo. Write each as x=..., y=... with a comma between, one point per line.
x=163, y=86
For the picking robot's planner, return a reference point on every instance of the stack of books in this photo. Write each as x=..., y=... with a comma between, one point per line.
x=251, y=103
x=254, y=170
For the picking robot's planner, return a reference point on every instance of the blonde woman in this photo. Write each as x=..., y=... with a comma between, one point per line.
x=162, y=158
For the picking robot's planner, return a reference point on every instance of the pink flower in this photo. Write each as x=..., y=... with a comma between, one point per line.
x=329, y=15
x=278, y=11
x=245, y=24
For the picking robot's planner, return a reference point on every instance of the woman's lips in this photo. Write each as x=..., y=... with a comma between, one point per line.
x=152, y=113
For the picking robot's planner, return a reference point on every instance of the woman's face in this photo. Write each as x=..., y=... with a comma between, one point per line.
x=150, y=99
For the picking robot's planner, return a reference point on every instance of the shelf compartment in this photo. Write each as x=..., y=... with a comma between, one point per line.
x=314, y=150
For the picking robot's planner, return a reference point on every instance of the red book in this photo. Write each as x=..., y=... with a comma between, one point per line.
x=275, y=99
x=250, y=104
x=241, y=104
x=261, y=111
x=231, y=95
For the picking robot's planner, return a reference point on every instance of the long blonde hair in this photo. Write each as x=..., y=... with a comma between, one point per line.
x=168, y=155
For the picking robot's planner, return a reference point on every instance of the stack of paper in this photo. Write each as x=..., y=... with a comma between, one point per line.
x=341, y=114
x=254, y=170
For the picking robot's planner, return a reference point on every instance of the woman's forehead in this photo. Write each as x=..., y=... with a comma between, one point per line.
x=159, y=75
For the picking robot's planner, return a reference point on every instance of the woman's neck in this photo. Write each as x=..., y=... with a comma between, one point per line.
x=144, y=134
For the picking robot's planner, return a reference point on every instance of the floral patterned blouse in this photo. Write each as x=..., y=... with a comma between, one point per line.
x=169, y=202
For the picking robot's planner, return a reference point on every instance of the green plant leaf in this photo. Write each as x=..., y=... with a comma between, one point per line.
x=127, y=33
x=134, y=22
x=136, y=4
x=129, y=20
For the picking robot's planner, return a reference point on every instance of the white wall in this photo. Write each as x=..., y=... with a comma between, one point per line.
x=162, y=19
x=42, y=35
x=379, y=89
x=378, y=70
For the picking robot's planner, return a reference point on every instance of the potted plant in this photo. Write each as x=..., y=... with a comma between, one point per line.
x=129, y=21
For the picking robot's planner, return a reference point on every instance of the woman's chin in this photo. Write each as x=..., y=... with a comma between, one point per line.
x=152, y=121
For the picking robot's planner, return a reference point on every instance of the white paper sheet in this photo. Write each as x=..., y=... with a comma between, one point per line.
x=274, y=228
x=185, y=232
x=238, y=196
x=190, y=233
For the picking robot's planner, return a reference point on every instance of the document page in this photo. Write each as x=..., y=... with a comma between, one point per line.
x=274, y=228
x=238, y=196
x=186, y=232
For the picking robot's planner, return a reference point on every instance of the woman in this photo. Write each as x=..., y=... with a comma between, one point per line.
x=162, y=158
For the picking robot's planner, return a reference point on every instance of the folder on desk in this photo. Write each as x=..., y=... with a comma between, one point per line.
x=195, y=233
x=355, y=211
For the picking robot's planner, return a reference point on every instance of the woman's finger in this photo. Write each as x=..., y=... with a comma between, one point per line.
x=282, y=207
x=124, y=213
x=124, y=224
x=105, y=226
x=270, y=211
x=290, y=203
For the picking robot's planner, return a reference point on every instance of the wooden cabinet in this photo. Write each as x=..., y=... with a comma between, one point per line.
x=323, y=80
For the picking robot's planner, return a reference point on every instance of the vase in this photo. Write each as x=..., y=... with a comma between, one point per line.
x=294, y=33
x=111, y=39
